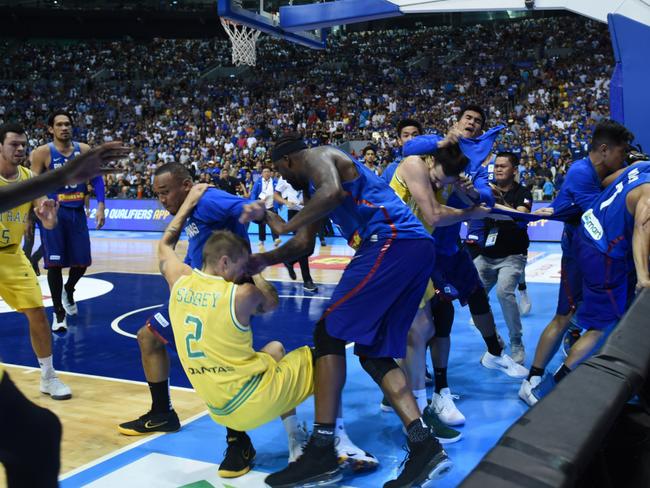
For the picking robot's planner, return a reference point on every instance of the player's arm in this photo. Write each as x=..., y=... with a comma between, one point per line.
x=641, y=235
x=171, y=267
x=256, y=299
x=414, y=173
x=39, y=159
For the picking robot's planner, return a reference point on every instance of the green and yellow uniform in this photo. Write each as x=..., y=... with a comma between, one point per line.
x=242, y=388
x=18, y=283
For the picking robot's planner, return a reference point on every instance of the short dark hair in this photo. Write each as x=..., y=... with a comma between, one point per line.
x=611, y=133
x=53, y=115
x=10, y=127
x=408, y=123
x=177, y=170
x=368, y=148
x=224, y=243
x=510, y=156
x=452, y=159
x=474, y=108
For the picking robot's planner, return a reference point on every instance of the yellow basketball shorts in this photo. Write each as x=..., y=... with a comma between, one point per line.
x=285, y=385
x=18, y=283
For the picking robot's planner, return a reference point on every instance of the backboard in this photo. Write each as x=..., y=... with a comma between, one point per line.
x=264, y=15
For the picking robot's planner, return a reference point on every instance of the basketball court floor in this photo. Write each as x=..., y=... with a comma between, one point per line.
x=99, y=358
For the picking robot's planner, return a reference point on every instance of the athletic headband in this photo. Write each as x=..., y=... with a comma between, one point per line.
x=286, y=149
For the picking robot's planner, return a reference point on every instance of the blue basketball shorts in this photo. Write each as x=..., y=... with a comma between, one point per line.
x=68, y=244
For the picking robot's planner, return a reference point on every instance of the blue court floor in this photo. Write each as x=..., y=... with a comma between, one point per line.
x=100, y=342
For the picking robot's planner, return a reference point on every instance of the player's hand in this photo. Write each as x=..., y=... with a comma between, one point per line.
x=100, y=217
x=254, y=211
x=452, y=137
x=93, y=162
x=195, y=194
x=256, y=264
x=46, y=212
x=642, y=283
x=545, y=211
x=465, y=185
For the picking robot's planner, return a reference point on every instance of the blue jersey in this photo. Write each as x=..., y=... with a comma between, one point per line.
x=608, y=224
x=70, y=195
x=216, y=210
x=388, y=173
x=372, y=210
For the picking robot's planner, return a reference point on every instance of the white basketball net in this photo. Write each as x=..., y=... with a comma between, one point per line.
x=243, y=40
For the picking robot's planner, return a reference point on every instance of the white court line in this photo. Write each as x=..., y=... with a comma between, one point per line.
x=117, y=452
x=107, y=378
x=115, y=324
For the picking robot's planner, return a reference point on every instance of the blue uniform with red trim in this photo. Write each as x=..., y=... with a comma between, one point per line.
x=604, y=252
x=580, y=188
x=68, y=244
x=378, y=295
x=216, y=210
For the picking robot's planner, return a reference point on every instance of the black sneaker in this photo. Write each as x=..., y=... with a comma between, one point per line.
x=318, y=466
x=425, y=461
x=310, y=287
x=292, y=272
x=238, y=458
x=151, y=422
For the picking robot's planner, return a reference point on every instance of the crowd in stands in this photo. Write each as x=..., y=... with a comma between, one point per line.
x=546, y=80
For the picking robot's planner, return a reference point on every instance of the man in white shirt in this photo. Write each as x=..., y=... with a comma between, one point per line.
x=266, y=190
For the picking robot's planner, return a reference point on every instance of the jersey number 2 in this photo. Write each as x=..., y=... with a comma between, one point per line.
x=194, y=336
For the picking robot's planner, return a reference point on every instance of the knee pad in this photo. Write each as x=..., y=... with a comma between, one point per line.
x=325, y=344
x=377, y=368
x=442, y=312
x=478, y=302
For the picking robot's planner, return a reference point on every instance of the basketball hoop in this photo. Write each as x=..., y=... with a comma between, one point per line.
x=243, y=39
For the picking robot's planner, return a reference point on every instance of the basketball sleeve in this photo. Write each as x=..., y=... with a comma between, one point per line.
x=219, y=206
x=482, y=185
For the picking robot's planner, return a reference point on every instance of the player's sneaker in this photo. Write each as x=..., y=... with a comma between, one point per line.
x=444, y=434
x=150, y=423
x=518, y=353
x=297, y=442
x=68, y=303
x=56, y=388
x=385, y=405
x=426, y=461
x=59, y=325
x=526, y=390
x=505, y=364
x=351, y=456
x=571, y=336
x=443, y=405
x=317, y=466
x=524, y=303
x=277, y=242
x=543, y=388
x=238, y=458
x=310, y=287
x=292, y=272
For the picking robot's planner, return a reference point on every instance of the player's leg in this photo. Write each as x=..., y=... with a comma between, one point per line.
x=54, y=243
x=79, y=257
x=509, y=270
x=153, y=340
x=525, y=304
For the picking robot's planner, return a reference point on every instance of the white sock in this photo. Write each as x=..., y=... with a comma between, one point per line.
x=421, y=398
x=47, y=370
x=290, y=425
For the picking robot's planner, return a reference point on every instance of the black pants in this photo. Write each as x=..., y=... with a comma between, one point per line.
x=262, y=229
x=303, y=261
x=30, y=440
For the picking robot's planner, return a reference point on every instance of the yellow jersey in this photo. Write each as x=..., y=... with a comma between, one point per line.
x=13, y=222
x=216, y=351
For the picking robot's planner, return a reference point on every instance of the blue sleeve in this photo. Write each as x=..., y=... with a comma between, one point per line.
x=218, y=206
x=100, y=189
x=388, y=173
x=482, y=184
x=421, y=145
x=257, y=189
x=579, y=188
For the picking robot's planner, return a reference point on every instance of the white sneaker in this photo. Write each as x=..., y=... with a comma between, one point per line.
x=504, y=363
x=443, y=404
x=518, y=353
x=526, y=388
x=297, y=442
x=54, y=387
x=70, y=308
x=352, y=456
x=59, y=326
x=524, y=303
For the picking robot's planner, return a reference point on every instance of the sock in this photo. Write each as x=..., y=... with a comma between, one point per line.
x=440, y=375
x=55, y=280
x=522, y=288
x=493, y=346
x=235, y=435
x=535, y=371
x=323, y=434
x=290, y=424
x=561, y=373
x=73, y=278
x=160, y=400
x=47, y=370
x=421, y=399
x=417, y=431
